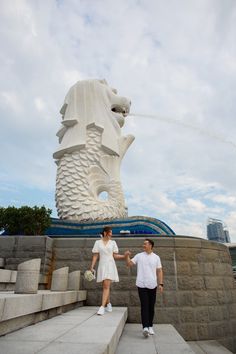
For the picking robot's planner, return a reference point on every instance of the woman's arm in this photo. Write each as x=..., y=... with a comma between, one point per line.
x=118, y=256
x=94, y=260
x=121, y=256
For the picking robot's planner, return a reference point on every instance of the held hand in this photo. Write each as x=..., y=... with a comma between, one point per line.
x=127, y=254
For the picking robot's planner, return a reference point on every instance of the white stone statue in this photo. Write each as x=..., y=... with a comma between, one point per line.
x=90, y=151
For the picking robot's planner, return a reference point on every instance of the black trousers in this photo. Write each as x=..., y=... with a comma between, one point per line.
x=147, y=299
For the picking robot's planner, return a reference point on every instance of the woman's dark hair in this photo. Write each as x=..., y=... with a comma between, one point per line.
x=106, y=229
x=150, y=241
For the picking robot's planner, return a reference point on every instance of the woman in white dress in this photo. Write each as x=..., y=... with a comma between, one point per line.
x=107, y=251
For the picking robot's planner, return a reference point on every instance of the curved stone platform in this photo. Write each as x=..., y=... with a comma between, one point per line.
x=135, y=225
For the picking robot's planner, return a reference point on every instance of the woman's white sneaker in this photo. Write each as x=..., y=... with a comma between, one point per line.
x=109, y=307
x=151, y=331
x=145, y=332
x=101, y=310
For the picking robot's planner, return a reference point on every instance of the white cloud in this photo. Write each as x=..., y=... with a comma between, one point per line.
x=39, y=104
x=195, y=205
x=72, y=76
x=224, y=199
x=11, y=101
x=190, y=229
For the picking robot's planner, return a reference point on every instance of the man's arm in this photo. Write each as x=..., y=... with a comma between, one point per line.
x=160, y=279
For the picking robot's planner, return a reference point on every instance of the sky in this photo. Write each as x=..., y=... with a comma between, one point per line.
x=175, y=60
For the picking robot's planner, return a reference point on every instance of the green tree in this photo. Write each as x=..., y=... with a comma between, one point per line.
x=10, y=220
x=42, y=219
x=1, y=219
x=25, y=220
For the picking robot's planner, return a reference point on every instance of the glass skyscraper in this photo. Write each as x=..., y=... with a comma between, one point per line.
x=216, y=231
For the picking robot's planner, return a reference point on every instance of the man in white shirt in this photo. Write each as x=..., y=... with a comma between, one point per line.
x=149, y=269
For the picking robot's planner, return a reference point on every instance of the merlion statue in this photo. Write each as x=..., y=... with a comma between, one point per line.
x=90, y=151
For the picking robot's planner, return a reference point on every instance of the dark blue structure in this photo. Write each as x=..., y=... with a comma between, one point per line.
x=135, y=225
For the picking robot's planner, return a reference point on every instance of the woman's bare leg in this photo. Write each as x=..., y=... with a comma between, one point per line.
x=106, y=292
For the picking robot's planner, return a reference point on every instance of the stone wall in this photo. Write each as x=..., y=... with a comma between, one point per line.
x=17, y=249
x=199, y=296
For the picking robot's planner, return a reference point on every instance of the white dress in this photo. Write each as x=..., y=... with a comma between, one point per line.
x=107, y=266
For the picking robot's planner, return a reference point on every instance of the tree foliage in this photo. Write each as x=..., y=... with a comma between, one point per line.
x=25, y=220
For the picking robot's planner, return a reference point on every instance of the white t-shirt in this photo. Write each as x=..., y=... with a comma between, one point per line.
x=146, y=269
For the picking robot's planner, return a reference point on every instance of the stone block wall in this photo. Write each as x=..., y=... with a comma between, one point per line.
x=17, y=249
x=199, y=296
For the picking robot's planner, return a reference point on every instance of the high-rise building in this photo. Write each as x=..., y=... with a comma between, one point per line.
x=217, y=231
x=227, y=238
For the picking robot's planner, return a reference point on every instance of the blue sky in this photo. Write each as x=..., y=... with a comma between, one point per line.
x=175, y=60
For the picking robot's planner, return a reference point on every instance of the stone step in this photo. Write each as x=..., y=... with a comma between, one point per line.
x=78, y=331
x=208, y=347
x=20, y=310
x=165, y=341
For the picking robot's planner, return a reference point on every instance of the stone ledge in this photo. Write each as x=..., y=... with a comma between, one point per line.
x=16, y=305
x=14, y=324
x=5, y=276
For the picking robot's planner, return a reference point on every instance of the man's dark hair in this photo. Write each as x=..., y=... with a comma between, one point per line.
x=106, y=229
x=150, y=241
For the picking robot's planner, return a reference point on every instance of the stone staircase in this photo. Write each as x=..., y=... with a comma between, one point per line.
x=166, y=341
x=208, y=347
x=22, y=304
x=29, y=323
x=21, y=310
x=81, y=331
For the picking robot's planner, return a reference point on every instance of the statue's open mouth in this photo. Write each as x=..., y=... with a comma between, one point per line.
x=124, y=111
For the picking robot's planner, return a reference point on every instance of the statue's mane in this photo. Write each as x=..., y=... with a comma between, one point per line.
x=88, y=103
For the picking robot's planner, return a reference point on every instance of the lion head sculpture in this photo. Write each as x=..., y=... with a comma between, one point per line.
x=88, y=103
